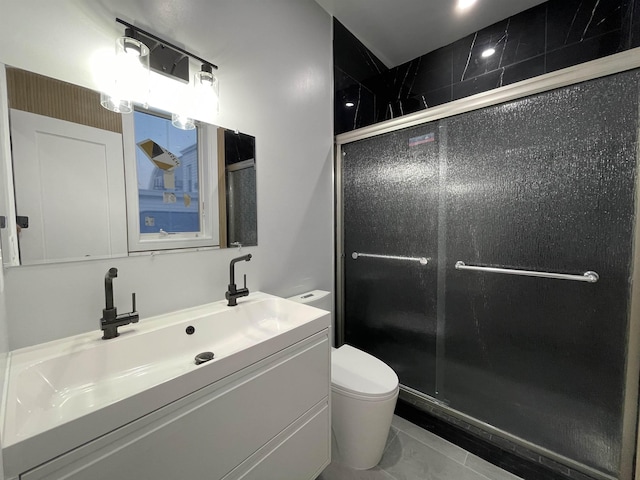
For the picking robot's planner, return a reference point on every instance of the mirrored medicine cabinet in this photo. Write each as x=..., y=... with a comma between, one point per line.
x=92, y=184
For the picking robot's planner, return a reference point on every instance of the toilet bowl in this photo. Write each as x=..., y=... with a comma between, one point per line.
x=364, y=391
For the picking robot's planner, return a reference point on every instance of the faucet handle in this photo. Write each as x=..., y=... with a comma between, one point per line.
x=245, y=280
x=133, y=302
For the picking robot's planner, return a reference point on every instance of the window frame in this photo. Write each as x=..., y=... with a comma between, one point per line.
x=208, y=236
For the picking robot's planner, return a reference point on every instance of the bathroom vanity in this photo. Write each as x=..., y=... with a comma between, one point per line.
x=138, y=407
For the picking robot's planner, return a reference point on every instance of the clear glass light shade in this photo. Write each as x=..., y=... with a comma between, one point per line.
x=118, y=105
x=182, y=122
x=130, y=72
x=201, y=101
x=206, y=85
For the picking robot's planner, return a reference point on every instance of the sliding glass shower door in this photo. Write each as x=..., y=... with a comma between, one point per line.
x=391, y=187
x=544, y=184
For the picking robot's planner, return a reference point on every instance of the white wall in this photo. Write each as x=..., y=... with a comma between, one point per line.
x=3, y=345
x=4, y=330
x=275, y=83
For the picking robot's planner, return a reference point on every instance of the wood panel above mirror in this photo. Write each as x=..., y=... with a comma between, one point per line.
x=31, y=92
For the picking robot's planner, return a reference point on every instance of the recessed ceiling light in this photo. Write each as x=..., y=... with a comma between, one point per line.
x=488, y=52
x=464, y=4
x=349, y=104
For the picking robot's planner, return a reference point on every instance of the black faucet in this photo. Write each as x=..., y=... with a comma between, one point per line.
x=110, y=320
x=234, y=293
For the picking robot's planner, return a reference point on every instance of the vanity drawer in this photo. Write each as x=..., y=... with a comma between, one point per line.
x=299, y=453
x=210, y=432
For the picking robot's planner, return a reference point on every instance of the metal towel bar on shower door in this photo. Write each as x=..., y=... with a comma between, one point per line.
x=422, y=260
x=589, y=276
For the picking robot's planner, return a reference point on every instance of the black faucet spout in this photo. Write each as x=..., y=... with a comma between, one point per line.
x=110, y=312
x=110, y=320
x=233, y=292
x=232, y=273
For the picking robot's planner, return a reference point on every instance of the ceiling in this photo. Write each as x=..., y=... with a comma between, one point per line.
x=397, y=31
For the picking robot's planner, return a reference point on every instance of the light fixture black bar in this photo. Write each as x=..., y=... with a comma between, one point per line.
x=175, y=47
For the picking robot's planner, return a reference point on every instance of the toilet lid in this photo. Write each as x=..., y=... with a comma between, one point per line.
x=358, y=372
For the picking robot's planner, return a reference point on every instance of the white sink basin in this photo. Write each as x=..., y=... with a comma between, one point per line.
x=151, y=364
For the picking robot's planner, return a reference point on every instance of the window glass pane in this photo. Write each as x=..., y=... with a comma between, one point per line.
x=167, y=169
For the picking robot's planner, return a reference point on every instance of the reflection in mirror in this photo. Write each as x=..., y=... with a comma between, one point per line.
x=68, y=171
x=171, y=197
x=69, y=177
x=237, y=179
x=164, y=176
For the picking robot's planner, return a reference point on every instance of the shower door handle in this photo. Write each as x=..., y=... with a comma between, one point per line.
x=421, y=260
x=589, y=276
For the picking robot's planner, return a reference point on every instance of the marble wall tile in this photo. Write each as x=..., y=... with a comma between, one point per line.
x=401, y=81
x=352, y=57
x=348, y=90
x=478, y=84
x=550, y=36
x=574, y=21
x=433, y=98
x=526, y=35
x=522, y=70
x=627, y=21
x=435, y=70
x=591, y=49
x=467, y=58
x=634, y=24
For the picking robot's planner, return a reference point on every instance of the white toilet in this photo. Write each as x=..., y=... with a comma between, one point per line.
x=364, y=391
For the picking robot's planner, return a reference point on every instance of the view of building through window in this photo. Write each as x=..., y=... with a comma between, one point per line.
x=167, y=172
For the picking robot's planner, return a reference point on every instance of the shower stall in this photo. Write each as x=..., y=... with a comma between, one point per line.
x=486, y=253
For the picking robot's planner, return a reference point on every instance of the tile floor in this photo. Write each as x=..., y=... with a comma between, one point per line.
x=413, y=453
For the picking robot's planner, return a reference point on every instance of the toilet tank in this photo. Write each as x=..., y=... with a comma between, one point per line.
x=319, y=299
x=315, y=298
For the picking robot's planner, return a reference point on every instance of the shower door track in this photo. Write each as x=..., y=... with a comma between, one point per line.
x=602, y=67
x=434, y=406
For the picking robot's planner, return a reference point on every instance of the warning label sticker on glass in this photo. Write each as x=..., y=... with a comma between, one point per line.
x=429, y=137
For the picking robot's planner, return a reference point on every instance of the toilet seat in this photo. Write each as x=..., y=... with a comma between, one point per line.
x=357, y=374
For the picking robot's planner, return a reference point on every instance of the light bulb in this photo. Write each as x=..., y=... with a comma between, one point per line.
x=464, y=4
x=488, y=52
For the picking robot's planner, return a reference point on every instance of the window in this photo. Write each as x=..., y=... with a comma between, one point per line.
x=168, y=203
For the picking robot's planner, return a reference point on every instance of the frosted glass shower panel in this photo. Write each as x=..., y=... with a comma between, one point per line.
x=390, y=196
x=242, y=216
x=544, y=183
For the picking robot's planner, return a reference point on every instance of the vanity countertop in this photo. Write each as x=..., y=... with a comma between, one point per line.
x=64, y=393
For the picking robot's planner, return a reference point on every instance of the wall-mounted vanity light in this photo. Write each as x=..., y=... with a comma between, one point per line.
x=137, y=53
x=132, y=73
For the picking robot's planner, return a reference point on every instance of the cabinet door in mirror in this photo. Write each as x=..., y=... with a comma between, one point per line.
x=68, y=171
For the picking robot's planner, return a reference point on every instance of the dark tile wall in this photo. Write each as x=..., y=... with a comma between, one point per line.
x=548, y=37
x=356, y=71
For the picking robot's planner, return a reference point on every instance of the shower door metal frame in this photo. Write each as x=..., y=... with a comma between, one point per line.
x=602, y=67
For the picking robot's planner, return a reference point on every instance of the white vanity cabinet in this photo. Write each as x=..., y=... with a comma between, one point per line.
x=270, y=420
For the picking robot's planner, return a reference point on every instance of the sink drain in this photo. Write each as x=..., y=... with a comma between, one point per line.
x=204, y=357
